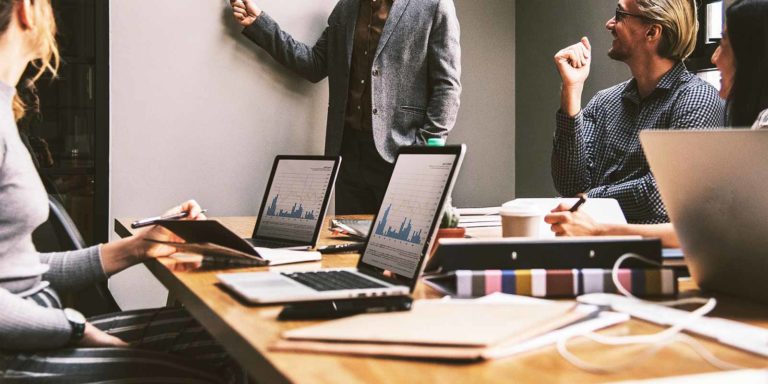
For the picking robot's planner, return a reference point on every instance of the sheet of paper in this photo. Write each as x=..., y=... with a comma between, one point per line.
x=479, y=211
x=738, y=376
x=603, y=320
x=285, y=256
x=602, y=210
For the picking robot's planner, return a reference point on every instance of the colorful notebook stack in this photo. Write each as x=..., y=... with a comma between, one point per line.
x=555, y=282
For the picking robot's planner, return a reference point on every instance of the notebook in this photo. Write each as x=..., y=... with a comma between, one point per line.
x=434, y=329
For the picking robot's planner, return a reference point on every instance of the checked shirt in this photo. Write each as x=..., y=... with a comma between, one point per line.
x=598, y=151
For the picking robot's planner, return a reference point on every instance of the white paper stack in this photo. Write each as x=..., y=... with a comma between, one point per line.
x=479, y=217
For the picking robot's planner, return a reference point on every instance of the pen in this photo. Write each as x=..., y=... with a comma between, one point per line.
x=152, y=220
x=582, y=200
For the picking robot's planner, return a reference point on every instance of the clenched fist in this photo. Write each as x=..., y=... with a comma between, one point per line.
x=245, y=11
x=573, y=63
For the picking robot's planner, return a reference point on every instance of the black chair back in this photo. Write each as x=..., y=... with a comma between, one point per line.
x=60, y=234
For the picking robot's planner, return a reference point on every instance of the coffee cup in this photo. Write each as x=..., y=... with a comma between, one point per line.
x=521, y=220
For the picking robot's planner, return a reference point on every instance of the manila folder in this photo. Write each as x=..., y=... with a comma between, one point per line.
x=432, y=329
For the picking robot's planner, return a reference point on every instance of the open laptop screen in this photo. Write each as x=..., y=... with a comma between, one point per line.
x=410, y=212
x=296, y=198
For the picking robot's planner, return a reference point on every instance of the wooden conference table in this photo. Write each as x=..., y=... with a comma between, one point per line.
x=247, y=331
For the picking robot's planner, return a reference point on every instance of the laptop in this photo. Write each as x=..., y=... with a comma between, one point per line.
x=295, y=202
x=715, y=187
x=394, y=253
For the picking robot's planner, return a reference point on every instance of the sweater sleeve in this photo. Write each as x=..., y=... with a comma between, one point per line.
x=25, y=325
x=75, y=269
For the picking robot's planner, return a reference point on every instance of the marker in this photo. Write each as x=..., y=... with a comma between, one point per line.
x=153, y=220
x=582, y=200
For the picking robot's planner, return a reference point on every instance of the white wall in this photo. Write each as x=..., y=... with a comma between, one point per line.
x=199, y=111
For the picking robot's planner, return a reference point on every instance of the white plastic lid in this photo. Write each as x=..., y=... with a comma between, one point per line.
x=518, y=209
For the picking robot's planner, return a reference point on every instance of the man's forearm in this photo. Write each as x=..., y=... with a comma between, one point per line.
x=570, y=99
x=571, y=160
x=639, y=199
x=310, y=62
x=665, y=232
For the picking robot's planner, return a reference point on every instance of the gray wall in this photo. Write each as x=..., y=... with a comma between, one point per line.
x=543, y=28
x=199, y=111
x=487, y=116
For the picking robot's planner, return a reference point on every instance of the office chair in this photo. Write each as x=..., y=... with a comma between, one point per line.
x=59, y=234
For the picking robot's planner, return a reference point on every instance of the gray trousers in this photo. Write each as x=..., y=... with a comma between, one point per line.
x=167, y=346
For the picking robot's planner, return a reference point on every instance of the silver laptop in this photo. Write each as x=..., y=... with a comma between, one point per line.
x=395, y=250
x=715, y=187
x=295, y=202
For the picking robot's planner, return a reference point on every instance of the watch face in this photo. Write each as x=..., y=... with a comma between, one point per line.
x=74, y=316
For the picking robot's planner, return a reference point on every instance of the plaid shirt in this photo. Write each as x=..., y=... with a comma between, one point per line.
x=598, y=151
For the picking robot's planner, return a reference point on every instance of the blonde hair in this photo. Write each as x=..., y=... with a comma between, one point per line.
x=679, y=22
x=45, y=38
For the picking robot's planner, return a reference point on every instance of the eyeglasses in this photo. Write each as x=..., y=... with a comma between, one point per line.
x=620, y=15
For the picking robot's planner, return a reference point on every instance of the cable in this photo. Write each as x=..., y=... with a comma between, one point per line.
x=655, y=341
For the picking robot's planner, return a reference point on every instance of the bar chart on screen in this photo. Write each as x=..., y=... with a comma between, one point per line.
x=410, y=206
x=295, y=199
x=405, y=233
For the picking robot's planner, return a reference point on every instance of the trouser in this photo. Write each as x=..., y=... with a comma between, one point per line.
x=363, y=177
x=167, y=346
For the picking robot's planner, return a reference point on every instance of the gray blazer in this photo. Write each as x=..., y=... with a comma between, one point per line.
x=415, y=77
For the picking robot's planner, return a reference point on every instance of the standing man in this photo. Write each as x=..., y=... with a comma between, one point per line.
x=393, y=69
x=597, y=149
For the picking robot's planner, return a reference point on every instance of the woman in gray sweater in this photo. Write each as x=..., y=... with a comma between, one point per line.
x=40, y=340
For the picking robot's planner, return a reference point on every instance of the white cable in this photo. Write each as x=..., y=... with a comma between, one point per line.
x=655, y=341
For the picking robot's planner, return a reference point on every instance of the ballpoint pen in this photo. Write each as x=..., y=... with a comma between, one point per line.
x=582, y=200
x=152, y=220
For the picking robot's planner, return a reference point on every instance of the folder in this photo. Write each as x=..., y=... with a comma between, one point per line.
x=434, y=329
x=523, y=253
x=221, y=256
x=222, y=247
x=562, y=283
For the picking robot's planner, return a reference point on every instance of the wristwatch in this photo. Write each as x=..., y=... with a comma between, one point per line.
x=77, y=321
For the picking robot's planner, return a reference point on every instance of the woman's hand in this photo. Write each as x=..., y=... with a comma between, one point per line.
x=121, y=254
x=245, y=11
x=566, y=223
x=148, y=249
x=95, y=338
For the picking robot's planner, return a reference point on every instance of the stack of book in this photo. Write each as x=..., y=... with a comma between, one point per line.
x=479, y=217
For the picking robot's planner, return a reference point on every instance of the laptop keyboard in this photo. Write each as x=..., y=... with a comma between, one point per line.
x=270, y=243
x=332, y=280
